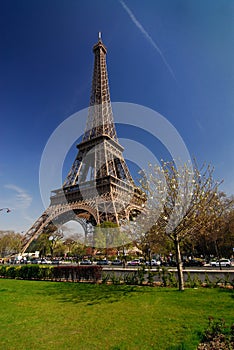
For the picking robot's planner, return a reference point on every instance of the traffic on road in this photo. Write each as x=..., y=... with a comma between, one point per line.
x=135, y=263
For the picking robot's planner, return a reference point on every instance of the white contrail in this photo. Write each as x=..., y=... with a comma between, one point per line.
x=147, y=36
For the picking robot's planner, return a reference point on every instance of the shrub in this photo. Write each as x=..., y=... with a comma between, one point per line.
x=28, y=272
x=227, y=280
x=45, y=273
x=3, y=270
x=12, y=271
x=193, y=282
x=172, y=279
x=150, y=278
x=207, y=281
x=196, y=281
x=115, y=279
x=105, y=277
x=167, y=277
x=141, y=274
x=76, y=273
x=163, y=274
x=131, y=278
x=189, y=281
x=67, y=273
x=217, y=336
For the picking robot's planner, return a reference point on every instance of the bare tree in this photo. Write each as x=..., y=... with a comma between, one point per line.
x=180, y=202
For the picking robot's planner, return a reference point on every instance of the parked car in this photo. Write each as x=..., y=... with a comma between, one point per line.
x=193, y=262
x=39, y=261
x=221, y=262
x=23, y=261
x=103, y=262
x=153, y=262
x=169, y=263
x=86, y=262
x=117, y=262
x=55, y=262
x=135, y=262
x=35, y=261
x=46, y=261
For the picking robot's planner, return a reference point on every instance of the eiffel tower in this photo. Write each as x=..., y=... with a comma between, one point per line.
x=99, y=186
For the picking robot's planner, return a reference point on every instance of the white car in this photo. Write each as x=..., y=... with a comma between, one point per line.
x=222, y=263
x=135, y=262
x=154, y=262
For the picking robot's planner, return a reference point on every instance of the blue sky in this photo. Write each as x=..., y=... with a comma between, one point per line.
x=174, y=56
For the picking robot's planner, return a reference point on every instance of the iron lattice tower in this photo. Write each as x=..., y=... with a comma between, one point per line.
x=99, y=186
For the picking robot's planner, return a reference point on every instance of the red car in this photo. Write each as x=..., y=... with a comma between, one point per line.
x=135, y=262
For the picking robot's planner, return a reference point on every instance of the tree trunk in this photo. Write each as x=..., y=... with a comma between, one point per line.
x=179, y=264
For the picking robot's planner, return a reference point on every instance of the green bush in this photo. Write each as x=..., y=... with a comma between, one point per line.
x=193, y=282
x=45, y=273
x=131, y=278
x=196, y=281
x=163, y=274
x=172, y=279
x=217, y=336
x=3, y=270
x=166, y=277
x=150, y=277
x=141, y=275
x=67, y=273
x=207, y=281
x=105, y=277
x=76, y=273
x=12, y=271
x=28, y=272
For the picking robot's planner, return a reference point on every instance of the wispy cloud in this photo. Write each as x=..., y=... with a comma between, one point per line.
x=147, y=36
x=200, y=126
x=22, y=200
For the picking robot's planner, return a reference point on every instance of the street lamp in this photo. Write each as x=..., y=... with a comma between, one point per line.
x=149, y=254
x=7, y=209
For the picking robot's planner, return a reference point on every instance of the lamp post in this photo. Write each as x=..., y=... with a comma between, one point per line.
x=149, y=254
x=7, y=209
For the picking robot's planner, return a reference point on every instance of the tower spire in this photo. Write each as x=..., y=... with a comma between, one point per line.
x=100, y=119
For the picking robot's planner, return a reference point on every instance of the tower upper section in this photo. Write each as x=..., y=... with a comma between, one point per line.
x=100, y=116
x=100, y=156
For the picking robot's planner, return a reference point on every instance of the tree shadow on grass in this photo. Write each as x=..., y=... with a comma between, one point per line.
x=92, y=294
x=228, y=291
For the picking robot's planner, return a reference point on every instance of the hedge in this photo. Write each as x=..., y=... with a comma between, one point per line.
x=57, y=273
x=77, y=273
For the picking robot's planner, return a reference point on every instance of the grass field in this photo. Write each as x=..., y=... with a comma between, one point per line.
x=49, y=315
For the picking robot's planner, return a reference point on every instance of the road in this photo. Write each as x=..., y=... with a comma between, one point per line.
x=154, y=268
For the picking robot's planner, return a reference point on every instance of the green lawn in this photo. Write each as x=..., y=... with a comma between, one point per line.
x=50, y=315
